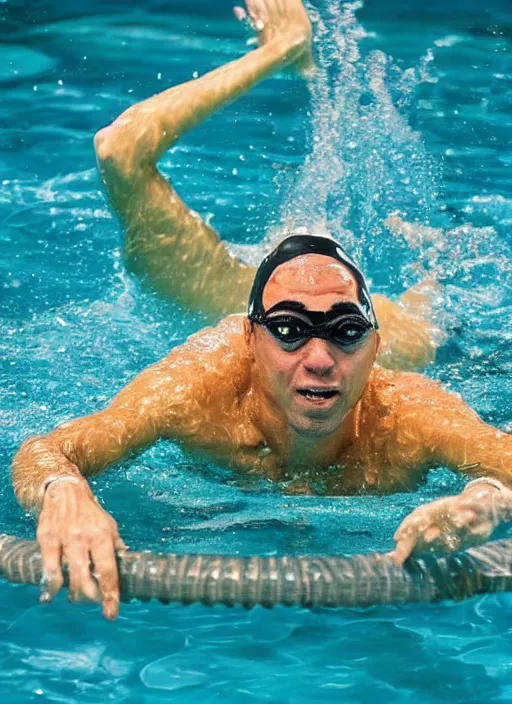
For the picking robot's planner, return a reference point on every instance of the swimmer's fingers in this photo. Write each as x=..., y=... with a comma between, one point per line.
x=106, y=573
x=441, y=527
x=51, y=554
x=405, y=544
x=73, y=528
x=240, y=13
x=81, y=583
x=414, y=542
x=244, y=18
x=271, y=18
x=259, y=11
x=252, y=19
x=413, y=531
x=119, y=544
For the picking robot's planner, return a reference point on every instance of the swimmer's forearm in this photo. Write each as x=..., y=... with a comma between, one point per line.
x=463, y=442
x=78, y=449
x=81, y=448
x=137, y=417
x=166, y=243
x=483, y=451
x=148, y=129
x=38, y=462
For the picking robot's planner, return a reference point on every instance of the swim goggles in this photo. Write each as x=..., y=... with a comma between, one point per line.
x=292, y=325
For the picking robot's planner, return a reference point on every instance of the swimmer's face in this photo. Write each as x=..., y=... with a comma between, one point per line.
x=317, y=384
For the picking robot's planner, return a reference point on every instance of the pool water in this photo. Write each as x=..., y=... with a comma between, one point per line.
x=411, y=112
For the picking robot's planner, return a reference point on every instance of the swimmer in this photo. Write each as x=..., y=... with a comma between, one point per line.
x=290, y=390
x=169, y=246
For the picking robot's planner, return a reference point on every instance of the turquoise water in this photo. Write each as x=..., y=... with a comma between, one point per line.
x=411, y=113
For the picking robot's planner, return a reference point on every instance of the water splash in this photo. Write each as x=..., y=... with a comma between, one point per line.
x=369, y=180
x=365, y=160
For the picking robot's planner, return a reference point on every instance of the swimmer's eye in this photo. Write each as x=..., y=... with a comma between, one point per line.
x=287, y=330
x=350, y=333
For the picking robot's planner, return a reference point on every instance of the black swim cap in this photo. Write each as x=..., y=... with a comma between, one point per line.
x=296, y=246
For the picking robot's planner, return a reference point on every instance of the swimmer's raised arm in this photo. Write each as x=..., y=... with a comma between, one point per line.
x=168, y=244
x=453, y=435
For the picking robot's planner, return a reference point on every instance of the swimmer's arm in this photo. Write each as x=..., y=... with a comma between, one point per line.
x=180, y=256
x=450, y=433
x=471, y=446
x=167, y=400
x=72, y=527
x=171, y=399
x=81, y=448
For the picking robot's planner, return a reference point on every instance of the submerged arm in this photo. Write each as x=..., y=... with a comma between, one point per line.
x=409, y=338
x=458, y=438
x=88, y=445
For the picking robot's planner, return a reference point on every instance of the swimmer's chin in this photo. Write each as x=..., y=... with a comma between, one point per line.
x=314, y=424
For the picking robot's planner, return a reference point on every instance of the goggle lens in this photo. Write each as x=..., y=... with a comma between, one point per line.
x=343, y=332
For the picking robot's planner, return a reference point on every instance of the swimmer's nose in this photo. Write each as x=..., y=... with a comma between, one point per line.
x=319, y=359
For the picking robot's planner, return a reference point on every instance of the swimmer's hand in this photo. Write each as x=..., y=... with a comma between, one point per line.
x=453, y=523
x=271, y=18
x=74, y=529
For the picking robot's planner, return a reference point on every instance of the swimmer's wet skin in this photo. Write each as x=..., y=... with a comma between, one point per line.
x=319, y=417
x=291, y=391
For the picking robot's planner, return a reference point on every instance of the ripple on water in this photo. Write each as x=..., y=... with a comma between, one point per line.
x=18, y=63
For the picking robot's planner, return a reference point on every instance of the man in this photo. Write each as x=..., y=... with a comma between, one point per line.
x=290, y=391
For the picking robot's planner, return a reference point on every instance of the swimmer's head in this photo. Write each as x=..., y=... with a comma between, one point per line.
x=297, y=247
x=314, y=335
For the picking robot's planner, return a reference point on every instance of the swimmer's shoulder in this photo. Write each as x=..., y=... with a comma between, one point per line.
x=397, y=390
x=221, y=350
x=392, y=387
x=229, y=334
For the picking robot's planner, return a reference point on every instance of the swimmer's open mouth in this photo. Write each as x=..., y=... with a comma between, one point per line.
x=318, y=394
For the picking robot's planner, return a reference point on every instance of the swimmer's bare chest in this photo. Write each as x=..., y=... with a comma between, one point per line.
x=227, y=426
x=358, y=469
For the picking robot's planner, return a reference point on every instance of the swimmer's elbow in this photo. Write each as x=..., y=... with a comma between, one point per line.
x=116, y=153
x=103, y=144
x=126, y=147
x=111, y=152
